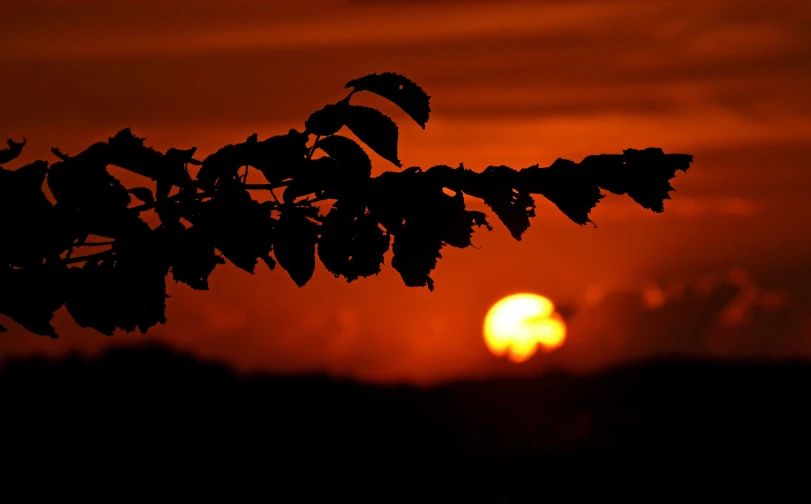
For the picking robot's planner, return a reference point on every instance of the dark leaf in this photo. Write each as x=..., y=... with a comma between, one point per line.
x=352, y=244
x=644, y=175
x=499, y=187
x=294, y=248
x=326, y=121
x=239, y=227
x=567, y=185
x=280, y=157
x=128, y=151
x=400, y=90
x=58, y=153
x=14, y=150
x=414, y=208
x=226, y=162
x=143, y=193
x=31, y=295
x=127, y=292
x=94, y=200
x=31, y=229
x=194, y=258
x=375, y=129
x=415, y=256
x=352, y=160
x=316, y=176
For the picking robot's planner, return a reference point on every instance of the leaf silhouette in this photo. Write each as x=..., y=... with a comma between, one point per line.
x=31, y=295
x=352, y=160
x=375, y=129
x=566, y=184
x=415, y=256
x=14, y=149
x=127, y=292
x=398, y=89
x=226, y=162
x=642, y=174
x=296, y=236
x=31, y=229
x=500, y=189
x=352, y=244
x=194, y=257
x=94, y=200
x=142, y=193
x=128, y=151
x=320, y=176
x=238, y=226
x=328, y=120
x=279, y=157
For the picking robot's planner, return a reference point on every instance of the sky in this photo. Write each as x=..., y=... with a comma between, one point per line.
x=723, y=272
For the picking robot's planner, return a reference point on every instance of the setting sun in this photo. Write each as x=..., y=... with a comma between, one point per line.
x=517, y=324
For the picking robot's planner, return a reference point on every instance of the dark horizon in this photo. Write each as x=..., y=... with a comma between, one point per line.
x=482, y=441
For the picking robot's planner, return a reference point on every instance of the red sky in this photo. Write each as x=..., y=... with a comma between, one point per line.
x=724, y=271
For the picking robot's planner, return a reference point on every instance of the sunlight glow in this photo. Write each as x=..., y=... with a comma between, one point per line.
x=517, y=324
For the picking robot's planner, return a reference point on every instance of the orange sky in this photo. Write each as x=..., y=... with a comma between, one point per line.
x=723, y=271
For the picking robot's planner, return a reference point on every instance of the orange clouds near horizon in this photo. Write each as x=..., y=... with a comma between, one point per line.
x=515, y=83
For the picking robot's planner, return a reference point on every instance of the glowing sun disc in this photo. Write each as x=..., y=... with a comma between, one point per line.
x=518, y=324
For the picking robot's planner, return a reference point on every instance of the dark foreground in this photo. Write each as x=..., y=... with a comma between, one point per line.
x=151, y=422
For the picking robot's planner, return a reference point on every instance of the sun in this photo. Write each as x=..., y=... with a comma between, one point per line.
x=518, y=324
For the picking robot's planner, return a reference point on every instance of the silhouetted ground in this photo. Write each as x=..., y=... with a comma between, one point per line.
x=150, y=421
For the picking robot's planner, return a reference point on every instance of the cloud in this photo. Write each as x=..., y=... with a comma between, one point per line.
x=726, y=314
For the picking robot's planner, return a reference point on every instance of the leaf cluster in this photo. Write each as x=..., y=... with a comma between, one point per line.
x=88, y=247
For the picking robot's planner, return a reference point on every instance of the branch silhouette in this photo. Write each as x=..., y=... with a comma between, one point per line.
x=117, y=280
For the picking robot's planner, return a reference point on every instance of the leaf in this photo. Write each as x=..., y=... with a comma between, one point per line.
x=414, y=208
x=294, y=248
x=91, y=198
x=225, y=163
x=398, y=89
x=326, y=121
x=31, y=295
x=643, y=174
x=142, y=193
x=128, y=151
x=239, y=227
x=352, y=160
x=497, y=186
x=352, y=244
x=415, y=256
x=567, y=185
x=375, y=129
x=279, y=157
x=14, y=150
x=127, y=292
x=194, y=258
x=316, y=176
x=31, y=229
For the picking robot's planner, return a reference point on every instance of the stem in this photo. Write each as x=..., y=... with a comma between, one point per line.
x=312, y=149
